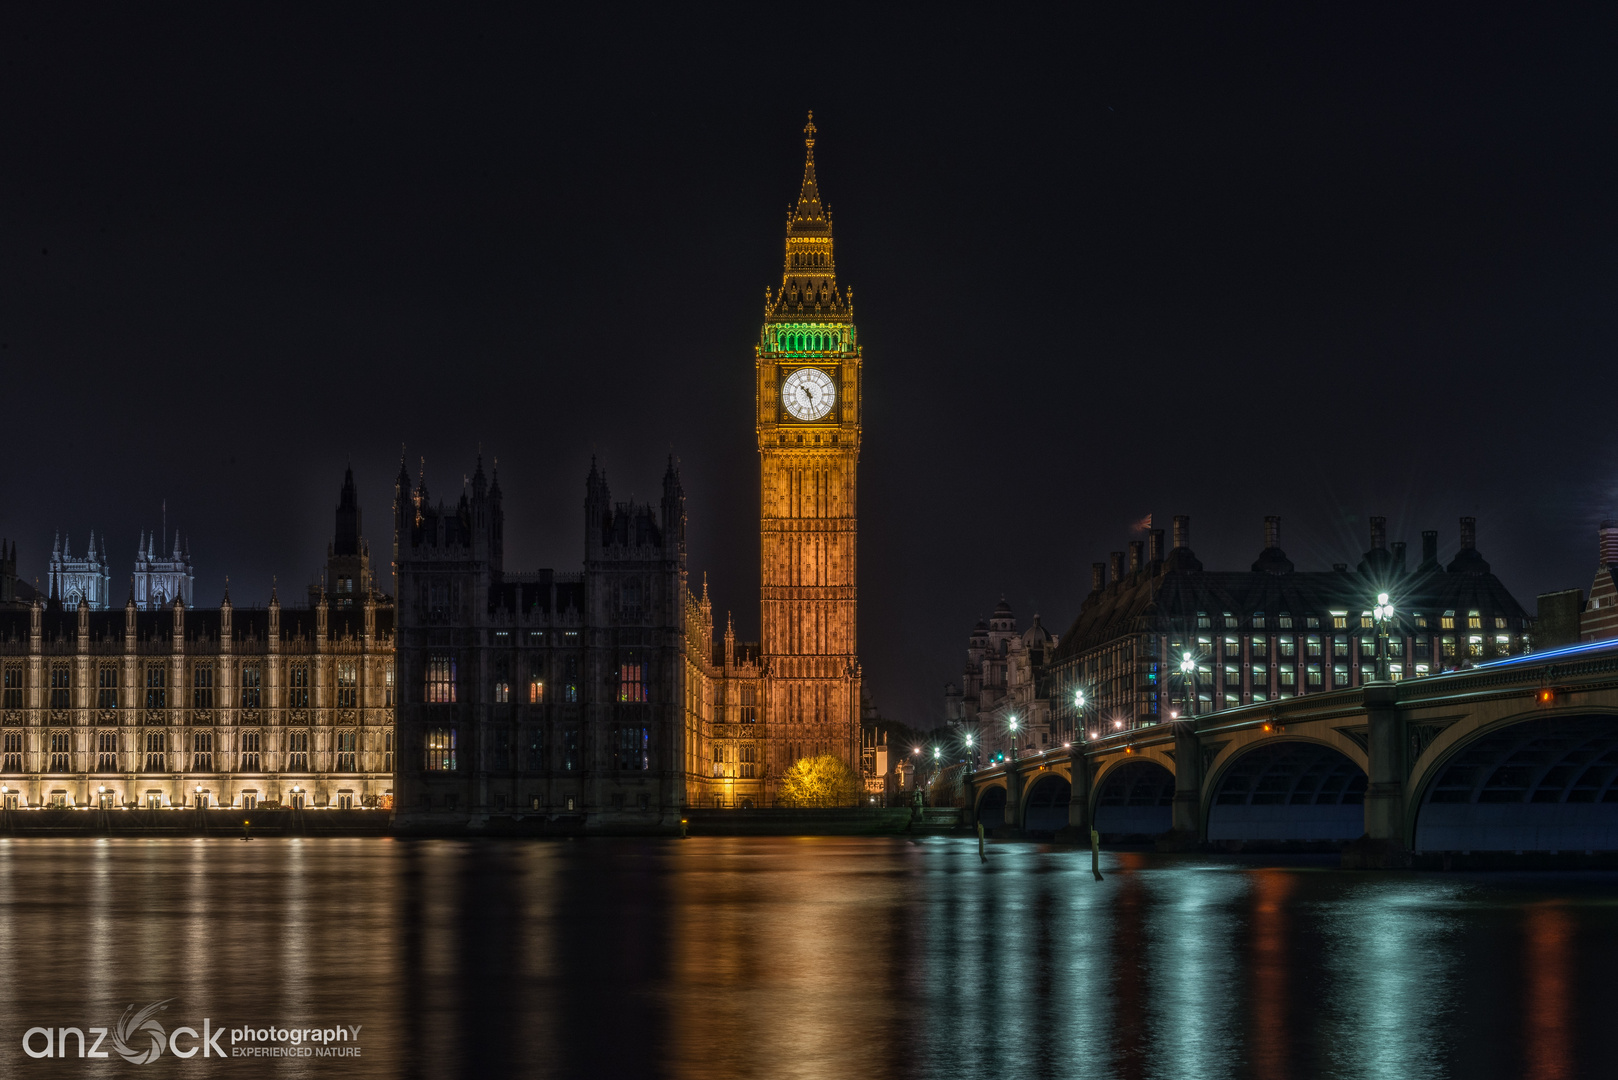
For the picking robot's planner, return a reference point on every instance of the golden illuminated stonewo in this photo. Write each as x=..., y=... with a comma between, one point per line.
x=808, y=483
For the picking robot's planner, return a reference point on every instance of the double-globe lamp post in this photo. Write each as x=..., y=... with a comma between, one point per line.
x=1384, y=616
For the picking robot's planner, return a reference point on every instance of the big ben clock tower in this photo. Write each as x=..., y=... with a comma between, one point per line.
x=807, y=375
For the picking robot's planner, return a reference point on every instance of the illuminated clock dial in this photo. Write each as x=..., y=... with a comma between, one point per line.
x=808, y=394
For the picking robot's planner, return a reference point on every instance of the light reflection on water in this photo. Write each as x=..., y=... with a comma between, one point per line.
x=806, y=958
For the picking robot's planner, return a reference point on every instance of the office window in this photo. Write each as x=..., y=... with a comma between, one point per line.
x=1288, y=675
x=1339, y=620
x=202, y=751
x=156, y=751
x=536, y=749
x=1233, y=676
x=441, y=681
x=348, y=758
x=1499, y=622
x=1474, y=645
x=632, y=682
x=250, y=741
x=1396, y=672
x=13, y=752
x=61, y=742
x=1312, y=645
x=61, y=687
x=1368, y=646
x=1447, y=621
x=1202, y=620
x=252, y=684
x=202, y=686
x=1260, y=676
x=298, y=687
x=107, y=686
x=572, y=757
x=1421, y=620
x=1311, y=622
x=1287, y=646
x=1233, y=648
x=1447, y=648
x=1339, y=675
x=1230, y=621
x=1422, y=670
x=106, y=751
x=298, y=751
x=536, y=690
x=1312, y=674
x=749, y=705
x=1339, y=646
x=441, y=749
x=13, y=687
x=1502, y=644
x=1367, y=673
x=1284, y=620
x=1258, y=620
x=1473, y=621
x=348, y=692
x=1424, y=648
x=156, y=686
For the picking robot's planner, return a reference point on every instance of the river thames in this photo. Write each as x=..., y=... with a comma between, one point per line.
x=789, y=957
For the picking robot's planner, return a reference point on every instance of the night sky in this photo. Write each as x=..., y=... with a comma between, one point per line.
x=1168, y=261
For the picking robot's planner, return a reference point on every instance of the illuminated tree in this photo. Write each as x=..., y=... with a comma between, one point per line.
x=820, y=781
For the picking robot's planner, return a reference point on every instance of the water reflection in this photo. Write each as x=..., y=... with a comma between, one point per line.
x=800, y=958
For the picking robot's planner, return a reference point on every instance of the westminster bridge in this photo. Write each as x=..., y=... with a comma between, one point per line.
x=1518, y=755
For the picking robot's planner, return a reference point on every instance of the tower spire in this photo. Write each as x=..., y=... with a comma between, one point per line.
x=809, y=270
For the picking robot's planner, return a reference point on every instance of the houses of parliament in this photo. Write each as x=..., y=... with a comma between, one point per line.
x=601, y=697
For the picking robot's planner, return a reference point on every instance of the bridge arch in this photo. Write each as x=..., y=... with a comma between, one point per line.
x=1133, y=796
x=1046, y=797
x=989, y=807
x=1544, y=780
x=1285, y=789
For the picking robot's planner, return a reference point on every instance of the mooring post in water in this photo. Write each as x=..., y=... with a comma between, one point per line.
x=982, y=856
x=683, y=835
x=1095, y=854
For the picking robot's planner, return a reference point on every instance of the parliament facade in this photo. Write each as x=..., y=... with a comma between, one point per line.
x=184, y=706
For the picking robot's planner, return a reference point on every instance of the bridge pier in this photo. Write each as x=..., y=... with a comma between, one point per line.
x=1383, y=844
x=1078, y=807
x=1014, y=786
x=1187, y=821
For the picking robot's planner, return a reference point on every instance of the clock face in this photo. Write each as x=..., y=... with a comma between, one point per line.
x=808, y=394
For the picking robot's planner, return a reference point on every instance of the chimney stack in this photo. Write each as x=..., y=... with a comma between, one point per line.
x=1469, y=533
x=1098, y=576
x=1429, y=546
x=1137, y=552
x=1272, y=531
x=1379, y=533
x=1182, y=530
x=1399, y=555
x=1155, y=548
x=1609, y=542
x=1117, y=566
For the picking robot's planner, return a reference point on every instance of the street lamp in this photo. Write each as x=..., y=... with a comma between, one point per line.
x=1384, y=615
x=1188, y=669
x=1013, y=725
x=1078, y=704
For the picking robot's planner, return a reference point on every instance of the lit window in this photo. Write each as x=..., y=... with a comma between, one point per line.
x=1499, y=622
x=536, y=691
x=502, y=693
x=1339, y=675
x=1312, y=645
x=1258, y=620
x=1230, y=621
x=1202, y=620
x=1339, y=620
x=1368, y=646
x=1233, y=676
x=13, y=752
x=347, y=684
x=1284, y=620
x=1447, y=621
x=1287, y=646
x=1473, y=621
x=1311, y=622
x=1502, y=644
x=441, y=750
x=1447, y=647
x=441, y=680
x=387, y=751
x=1396, y=671
x=1339, y=646
x=1474, y=645
x=1289, y=676
x=1233, y=647
x=632, y=682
